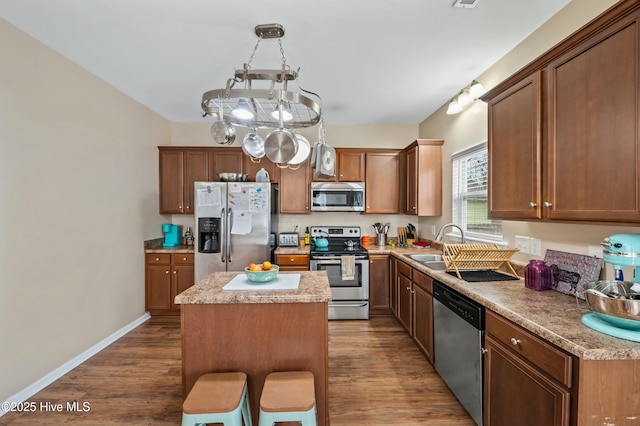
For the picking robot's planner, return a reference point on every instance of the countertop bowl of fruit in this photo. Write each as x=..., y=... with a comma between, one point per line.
x=261, y=273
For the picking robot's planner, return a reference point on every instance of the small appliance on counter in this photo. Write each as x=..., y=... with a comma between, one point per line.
x=622, y=250
x=288, y=239
x=172, y=235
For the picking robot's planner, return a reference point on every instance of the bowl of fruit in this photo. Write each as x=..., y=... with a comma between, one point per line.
x=261, y=272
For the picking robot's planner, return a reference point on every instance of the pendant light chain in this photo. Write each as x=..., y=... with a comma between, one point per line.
x=284, y=61
x=255, y=49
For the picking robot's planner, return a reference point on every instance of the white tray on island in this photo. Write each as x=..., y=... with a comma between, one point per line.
x=282, y=282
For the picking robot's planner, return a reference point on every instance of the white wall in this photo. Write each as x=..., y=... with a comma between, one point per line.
x=470, y=127
x=79, y=194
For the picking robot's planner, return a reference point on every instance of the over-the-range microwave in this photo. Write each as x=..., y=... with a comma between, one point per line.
x=337, y=196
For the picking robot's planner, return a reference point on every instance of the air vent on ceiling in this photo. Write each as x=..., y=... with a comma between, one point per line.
x=467, y=4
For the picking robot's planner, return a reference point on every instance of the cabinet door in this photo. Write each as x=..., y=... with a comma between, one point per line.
x=393, y=285
x=182, y=279
x=351, y=166
x=195, y=169
x=379, y=285
x=514, y=146
x=225, y=160
x=251, y=168
x=517, y=394
x=411, y=206
x=294, y=190
x=158, y=288
x=171, y=182
x=381, y=183
x=423, y=321
x=593, y=140
x=405, y=305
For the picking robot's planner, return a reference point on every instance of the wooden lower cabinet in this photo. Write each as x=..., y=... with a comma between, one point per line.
x=166, y=276
x=423, y=313
x=292, y=262
x=405, y=301
x=526, y=380
x=379, y=285
x=393, y=286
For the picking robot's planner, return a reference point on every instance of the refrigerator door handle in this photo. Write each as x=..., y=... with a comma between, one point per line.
x=229, y=225
x=223, y=243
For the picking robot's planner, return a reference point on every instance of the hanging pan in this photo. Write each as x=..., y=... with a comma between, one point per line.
x=281, y=146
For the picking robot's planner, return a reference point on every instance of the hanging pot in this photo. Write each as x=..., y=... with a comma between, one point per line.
x=303, y=150
x=253, y=145
x=223, y=132
x=281, y=146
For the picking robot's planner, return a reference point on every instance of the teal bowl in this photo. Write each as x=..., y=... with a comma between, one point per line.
x=262, y=277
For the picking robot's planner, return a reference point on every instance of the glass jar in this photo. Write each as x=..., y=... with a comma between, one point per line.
x=538, y=276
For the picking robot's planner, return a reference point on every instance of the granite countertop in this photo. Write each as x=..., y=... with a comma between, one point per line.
x=313, y=288
x=155, y=246
x=554, y=316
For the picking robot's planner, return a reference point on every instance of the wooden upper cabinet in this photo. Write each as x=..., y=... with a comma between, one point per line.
x=515, y=185
x=195, y=170
x=294, y=189
x=593, y=142
x=350, y=165
x=251, y=168
x=225, y=160
x=382, y=175
x=171, y=181
x=424, y=177
x=564, y=132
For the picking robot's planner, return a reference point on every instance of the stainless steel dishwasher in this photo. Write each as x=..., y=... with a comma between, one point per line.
x=458, y=340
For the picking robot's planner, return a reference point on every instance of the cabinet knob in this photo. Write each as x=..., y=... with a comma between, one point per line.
x=514, y=341
x=175, y=272
x=157, y=259
x=184, y=258
x=166, y=272
x=533, y=205
x=409, y=288
x=547, y=204
x=291, y=260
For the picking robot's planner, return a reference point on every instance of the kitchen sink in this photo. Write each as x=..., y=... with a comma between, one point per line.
x=437, y=265
x=425, y=257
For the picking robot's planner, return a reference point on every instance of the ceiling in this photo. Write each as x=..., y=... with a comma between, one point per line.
x=371, y=61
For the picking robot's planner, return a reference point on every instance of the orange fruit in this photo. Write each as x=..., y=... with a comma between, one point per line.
x=251, y=266
x=266, y=265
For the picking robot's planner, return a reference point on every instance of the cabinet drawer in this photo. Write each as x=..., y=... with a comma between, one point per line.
x=292, y=260
x=182, y=259
x=157, y=258
x=423, y=280
x=404, y=269
x=536, y=351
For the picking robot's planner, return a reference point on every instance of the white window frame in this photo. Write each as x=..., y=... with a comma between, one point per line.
x=459, y=217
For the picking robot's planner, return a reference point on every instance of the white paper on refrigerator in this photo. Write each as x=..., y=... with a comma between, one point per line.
x=241, y=222
x=211, y=196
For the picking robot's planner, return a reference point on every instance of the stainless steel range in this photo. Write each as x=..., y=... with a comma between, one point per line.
x=347, y=265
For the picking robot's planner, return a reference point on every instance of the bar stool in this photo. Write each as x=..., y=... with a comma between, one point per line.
x=288, y=396
x=218, y=398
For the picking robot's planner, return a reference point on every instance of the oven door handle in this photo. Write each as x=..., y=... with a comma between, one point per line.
x=348, y=305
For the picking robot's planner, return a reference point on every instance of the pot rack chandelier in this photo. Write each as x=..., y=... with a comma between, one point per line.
x=270, y=107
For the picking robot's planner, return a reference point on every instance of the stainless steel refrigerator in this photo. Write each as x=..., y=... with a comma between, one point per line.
x=233, y=223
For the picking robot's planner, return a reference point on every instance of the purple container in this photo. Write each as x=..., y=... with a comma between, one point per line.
x=538, y=276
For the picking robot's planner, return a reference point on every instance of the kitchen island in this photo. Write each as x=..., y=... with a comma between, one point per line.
x=257, y=332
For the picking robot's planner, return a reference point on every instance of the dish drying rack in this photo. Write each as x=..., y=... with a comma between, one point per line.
x=474, y=257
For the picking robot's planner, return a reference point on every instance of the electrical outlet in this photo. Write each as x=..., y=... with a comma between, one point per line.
x=595, y=251
x=522, y=244
x=433, y=230
x=534, y=246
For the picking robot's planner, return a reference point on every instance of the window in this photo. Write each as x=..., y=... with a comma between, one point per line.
x=470, y=196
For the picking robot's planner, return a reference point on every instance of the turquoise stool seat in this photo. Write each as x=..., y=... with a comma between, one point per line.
x=218, y=398
x=288, y=396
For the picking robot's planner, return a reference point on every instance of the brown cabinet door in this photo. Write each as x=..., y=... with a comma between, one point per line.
x=251, y=168
x=158, y=288
x=379, y=285
x=517, y=394
x=182, y=278
x=593, y=138
x=382, y=176
x=195, y=170
x=225, y=160
x=423, y=321
x=351, y=166
x=393, y=285
x=294, y=190
x=411, y=206
x=405, y=305
x=171, y=182
x=514, y=146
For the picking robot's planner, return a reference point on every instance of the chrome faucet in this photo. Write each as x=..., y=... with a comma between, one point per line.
x=440, y=235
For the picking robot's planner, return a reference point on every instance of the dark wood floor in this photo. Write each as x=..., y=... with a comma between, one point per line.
x=377, y=376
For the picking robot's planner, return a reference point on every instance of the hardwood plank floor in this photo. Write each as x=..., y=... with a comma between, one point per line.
x=377, y=376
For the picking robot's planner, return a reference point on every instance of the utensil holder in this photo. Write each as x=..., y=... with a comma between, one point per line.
x=381, y=239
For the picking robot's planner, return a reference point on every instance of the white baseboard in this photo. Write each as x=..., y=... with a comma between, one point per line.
x=51, y=377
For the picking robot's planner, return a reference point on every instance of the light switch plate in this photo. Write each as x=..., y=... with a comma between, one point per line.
x=522, y=244
x=534, y=246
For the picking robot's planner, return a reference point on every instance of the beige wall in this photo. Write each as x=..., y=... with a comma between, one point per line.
x=470, y=127
x=79, y=194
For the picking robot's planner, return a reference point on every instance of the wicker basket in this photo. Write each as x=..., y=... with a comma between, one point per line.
x=474, y=257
